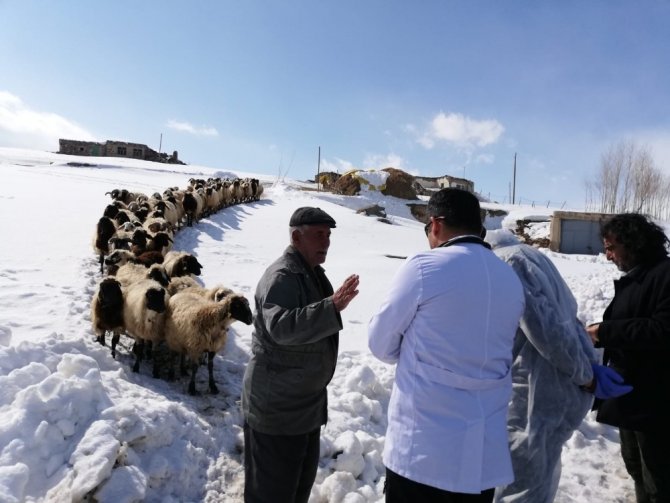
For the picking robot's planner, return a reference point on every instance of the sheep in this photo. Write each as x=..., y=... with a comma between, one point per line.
x=257, y=189
x=212, y=200
x=125, y=196
x=191, y=285
x=107, y=311
x=181, y=264
x=195, y=325
x=170, y=212
x=131, y=273
x=181, y=283
x=104, y=231
x=160, y=242
x=154, y=224
x=116, y=259
x=144, y=313
x=193, y=206
x=148, y=258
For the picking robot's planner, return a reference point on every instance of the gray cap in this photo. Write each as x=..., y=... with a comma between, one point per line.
x=308, y=215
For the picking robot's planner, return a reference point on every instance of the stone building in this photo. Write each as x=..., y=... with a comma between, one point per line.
x=115, y=149
x=446, y=181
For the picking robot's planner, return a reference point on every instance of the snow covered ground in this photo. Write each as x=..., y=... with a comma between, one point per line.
x=75, y=422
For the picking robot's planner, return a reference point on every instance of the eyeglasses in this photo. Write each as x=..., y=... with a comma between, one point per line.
x=427, y=227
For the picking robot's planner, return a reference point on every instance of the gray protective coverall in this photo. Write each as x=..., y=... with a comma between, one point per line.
x=294, y=348
x=552, y=358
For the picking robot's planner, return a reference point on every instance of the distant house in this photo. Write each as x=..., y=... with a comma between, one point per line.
x=115, y=149
x=446, y=181
x=576, y=232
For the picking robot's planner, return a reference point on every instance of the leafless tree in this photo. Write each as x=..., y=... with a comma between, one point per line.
x=628, y=180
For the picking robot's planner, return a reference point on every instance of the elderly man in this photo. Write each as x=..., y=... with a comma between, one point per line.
x=635, y=333
x=294, y=346
x=448, y=323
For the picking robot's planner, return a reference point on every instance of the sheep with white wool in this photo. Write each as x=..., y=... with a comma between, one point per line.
x=191, y=285
x=180, y=263
x=132, y=273
x=107, y=311
x=195, y=325
x=144, y=313
x=118, y=258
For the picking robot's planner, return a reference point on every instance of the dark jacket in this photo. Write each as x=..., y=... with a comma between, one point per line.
x=294, y=346
x=636, y=336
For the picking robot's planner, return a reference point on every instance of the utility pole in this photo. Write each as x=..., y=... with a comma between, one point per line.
x=514, y=181
x=318, y=172
x=160, y=144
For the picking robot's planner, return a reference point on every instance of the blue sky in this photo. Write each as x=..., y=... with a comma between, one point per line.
x=431, y=87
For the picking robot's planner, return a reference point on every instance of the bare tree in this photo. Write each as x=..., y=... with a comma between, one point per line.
x=628, y=180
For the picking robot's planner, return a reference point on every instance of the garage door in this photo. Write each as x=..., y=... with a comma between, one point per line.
x=581, y=236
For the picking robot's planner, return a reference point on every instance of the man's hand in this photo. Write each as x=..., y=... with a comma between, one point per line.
x=592, y=330
x=346, y=293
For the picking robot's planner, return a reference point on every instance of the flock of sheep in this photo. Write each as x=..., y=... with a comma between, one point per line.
x=150, y=292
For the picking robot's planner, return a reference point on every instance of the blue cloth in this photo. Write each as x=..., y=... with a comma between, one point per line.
x=609, y=383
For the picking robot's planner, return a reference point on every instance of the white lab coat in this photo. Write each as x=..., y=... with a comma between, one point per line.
x=449, y=322
x=553, y=357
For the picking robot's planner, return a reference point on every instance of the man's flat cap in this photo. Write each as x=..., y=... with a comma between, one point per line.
x=308, y=215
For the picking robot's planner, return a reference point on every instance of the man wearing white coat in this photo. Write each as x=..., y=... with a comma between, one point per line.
x=448, y=323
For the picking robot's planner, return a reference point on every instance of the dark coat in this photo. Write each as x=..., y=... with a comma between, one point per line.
x=294, y=346
x=636, y=336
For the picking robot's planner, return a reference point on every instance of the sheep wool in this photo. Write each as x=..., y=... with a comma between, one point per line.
x=144, y=313
x=196, y=325
x=107, y=311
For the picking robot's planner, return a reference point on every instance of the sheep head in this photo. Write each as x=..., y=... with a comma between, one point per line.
x=110, y=295
x=240, y=310
x=156, y=299
x=158, y=274
x=186, y=265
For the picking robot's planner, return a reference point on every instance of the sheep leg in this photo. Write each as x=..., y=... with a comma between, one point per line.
x=210, y=367
x=101, y=338
x=182, y=365
x=102, y=261
x=138, y=349
x=115, y=340
x=149, y=352
x=191, y=384
x=171, y=362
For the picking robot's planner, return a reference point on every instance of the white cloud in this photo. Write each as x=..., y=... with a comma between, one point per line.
x=485, y=159
x=20, y=126
x=187, y=127
x=381, y=161
x=461, y=131
x=336, y=166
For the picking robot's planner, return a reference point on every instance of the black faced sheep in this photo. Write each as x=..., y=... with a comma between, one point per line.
x=195, y=325
x=191, y=285
x=107, y=311
x=116, y=259
x=192, y=207
x=132, y=273
x=181, y=283
x=104, y=231
x=181, y=264
x=144, y=307
x=160, y=242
